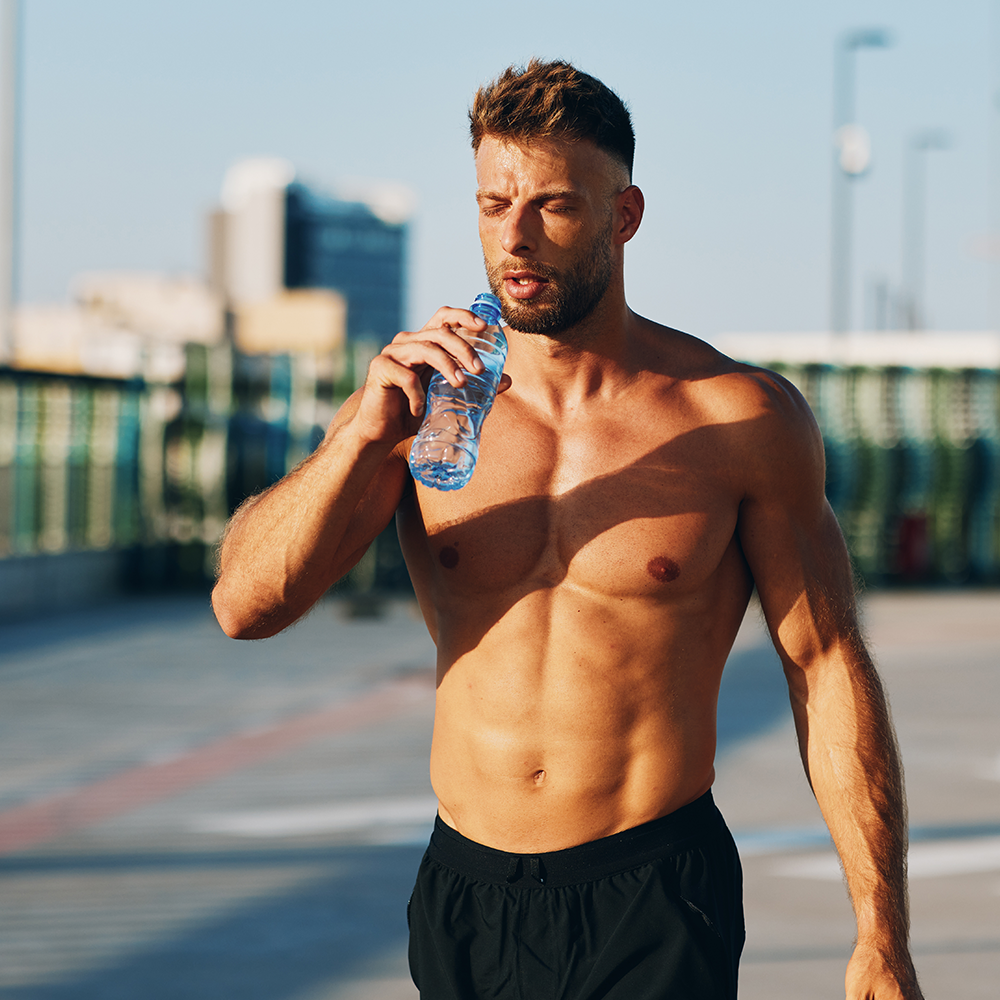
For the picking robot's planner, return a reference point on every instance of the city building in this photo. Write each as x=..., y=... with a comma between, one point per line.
x=135, y=419
x=350, y=248
x=275, y=238
x=315, y=285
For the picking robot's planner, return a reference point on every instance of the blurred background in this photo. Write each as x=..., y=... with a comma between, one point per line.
x=214, y=214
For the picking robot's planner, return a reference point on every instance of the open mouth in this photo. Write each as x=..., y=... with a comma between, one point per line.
x=523, y=285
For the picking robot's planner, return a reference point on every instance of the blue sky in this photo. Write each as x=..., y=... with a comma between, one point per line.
x=133, y=111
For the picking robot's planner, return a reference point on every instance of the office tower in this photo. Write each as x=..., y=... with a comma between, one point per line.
x=276, y=237
x=346, y=246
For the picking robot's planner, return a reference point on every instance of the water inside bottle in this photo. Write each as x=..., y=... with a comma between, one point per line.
x=446, y=448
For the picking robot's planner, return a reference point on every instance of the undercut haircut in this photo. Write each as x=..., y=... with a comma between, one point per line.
x=552, y=100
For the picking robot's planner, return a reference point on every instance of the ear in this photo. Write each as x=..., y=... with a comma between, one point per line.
x=629, y=206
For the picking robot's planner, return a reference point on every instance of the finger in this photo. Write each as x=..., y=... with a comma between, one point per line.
x=442, y=349
x=448, y=316
x=461, y=323
x=385, y=375
x=422, y=356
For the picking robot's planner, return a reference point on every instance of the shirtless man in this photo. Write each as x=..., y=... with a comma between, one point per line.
x=584, y=591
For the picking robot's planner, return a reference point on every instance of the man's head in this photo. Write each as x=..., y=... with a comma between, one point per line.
x=554, y=153
x=553, y=100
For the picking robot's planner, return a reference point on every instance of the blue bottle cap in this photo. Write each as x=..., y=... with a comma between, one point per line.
x=487, y=307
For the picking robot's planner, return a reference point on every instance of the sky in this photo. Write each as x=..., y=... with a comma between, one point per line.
x=132, y=112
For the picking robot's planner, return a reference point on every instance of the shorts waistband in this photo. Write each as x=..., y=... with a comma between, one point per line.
x=598, y=859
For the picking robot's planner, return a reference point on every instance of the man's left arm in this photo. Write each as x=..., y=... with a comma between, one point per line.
x=801, y=568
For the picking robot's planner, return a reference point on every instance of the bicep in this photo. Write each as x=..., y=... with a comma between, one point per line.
x=794, y=546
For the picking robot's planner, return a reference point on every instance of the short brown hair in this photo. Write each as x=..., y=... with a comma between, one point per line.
x=545, y=100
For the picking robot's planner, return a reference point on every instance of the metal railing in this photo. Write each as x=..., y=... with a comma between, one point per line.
x=913, y=468
x=154, y=471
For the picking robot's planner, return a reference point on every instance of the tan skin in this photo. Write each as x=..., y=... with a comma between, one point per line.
x=584, y=590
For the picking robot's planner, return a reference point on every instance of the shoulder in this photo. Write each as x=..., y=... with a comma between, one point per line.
x=729, y=390
x=768, y=426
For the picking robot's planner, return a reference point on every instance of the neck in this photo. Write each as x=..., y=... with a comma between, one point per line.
x=592, y=360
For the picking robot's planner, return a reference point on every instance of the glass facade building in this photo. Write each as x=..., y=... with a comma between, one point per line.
x=345, y=246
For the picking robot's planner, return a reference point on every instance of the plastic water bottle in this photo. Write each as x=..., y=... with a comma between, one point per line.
x=446, y=447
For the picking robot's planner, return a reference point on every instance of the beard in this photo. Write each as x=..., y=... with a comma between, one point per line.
x=577, y=291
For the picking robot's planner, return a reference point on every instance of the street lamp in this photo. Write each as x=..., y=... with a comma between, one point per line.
x=9, y=31
x=914, y=222
x=853, y=154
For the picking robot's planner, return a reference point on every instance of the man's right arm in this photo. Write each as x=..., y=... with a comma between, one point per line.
x=285, y=547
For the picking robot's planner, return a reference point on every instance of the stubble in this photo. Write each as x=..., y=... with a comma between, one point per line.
x=577, y=291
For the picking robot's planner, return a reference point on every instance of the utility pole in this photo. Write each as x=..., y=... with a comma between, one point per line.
x=915, y=223
x=10, y=30
x=850, y=161
x=992, y=247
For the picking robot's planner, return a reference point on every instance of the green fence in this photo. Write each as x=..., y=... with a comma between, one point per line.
x=68, y=464
x=91, y=464
x=152, y=470
x=913, y=468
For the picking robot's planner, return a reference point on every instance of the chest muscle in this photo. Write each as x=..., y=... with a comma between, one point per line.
x=611, y=516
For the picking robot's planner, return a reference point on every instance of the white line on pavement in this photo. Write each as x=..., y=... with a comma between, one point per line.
x=946, y=857
x=778, y=840
x=319, y=819
x=926, y=860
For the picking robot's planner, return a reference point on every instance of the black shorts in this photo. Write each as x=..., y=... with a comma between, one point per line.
x=651, y=913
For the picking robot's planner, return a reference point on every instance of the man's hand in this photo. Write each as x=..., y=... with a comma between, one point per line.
x=874, y=975
x=392, y=404
x=285, y=547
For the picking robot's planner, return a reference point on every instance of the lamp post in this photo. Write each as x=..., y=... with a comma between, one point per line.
x=851, y=159
x=914, y=222
x=9, y=74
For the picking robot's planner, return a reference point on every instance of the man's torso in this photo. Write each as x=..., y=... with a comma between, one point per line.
x=584, y=591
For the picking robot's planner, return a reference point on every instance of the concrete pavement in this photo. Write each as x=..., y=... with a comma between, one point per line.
x=939, y=654
x=186, y=816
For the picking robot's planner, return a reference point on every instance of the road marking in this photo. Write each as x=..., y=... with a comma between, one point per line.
x=946, y=857
x=781, y=840
x=306, y=820
x=34, y=822
x=994, y=771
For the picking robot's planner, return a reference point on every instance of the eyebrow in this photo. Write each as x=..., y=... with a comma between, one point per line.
x=544, y=196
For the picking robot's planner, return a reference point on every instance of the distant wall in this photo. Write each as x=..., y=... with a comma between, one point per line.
x=32, y=585
x=913, y=468
x=112, y=484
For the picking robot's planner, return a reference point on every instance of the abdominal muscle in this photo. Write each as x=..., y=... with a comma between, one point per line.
x=569, y=720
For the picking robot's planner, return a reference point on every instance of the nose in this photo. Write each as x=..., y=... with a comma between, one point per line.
x=517, y=235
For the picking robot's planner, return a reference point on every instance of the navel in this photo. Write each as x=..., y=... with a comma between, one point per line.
x=663, y=569
x=538, y=777
x=448, y=557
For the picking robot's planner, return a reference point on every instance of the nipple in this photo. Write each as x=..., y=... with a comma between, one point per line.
x=448, y=557
x=663, y=569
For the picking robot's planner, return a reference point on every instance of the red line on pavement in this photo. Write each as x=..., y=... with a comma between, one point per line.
x=25, y=825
